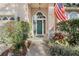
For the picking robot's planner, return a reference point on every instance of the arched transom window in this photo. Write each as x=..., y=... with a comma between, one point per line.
x=40, y=15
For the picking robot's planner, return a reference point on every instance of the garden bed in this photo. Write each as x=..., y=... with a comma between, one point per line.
x=58, y=50
x=65, y=42
x=14, y=33
x=8, y=50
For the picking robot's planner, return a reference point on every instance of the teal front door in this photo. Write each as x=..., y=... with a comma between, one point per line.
x=39, y=26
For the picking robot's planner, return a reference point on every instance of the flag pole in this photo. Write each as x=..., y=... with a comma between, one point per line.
x=55, y=20
x=55, y=24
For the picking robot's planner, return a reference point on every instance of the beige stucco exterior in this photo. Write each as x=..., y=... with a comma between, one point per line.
x=26, y=11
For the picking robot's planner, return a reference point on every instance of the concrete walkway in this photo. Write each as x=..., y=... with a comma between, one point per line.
x=37, y=48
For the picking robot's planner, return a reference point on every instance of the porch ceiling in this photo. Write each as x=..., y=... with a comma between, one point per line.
x=39, y=5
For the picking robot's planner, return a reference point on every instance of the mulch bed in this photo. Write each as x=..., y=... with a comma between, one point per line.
x=22, y=53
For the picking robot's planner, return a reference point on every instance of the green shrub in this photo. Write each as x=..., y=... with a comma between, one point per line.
x=57, y=50
x=18, y=30
x=15, y=33
x=72, y=28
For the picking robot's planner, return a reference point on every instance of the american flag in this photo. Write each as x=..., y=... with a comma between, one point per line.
x=59, y=11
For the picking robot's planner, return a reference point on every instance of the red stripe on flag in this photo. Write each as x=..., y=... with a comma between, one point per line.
x=60, y=12
x=63, y=15
x=57, y=15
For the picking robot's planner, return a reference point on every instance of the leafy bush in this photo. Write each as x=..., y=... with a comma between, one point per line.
x=16, y=32
x=57, y=50
x=72, y=28
x=4, y=38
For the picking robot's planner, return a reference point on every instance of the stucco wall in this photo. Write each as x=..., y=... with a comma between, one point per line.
x=20, y=10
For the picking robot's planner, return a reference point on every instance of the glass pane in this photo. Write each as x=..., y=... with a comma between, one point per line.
x=5, y=18
x=39, y=26
x=40, y=15
x=12, y=18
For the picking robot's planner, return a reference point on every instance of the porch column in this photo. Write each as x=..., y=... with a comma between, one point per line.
x=51, y=19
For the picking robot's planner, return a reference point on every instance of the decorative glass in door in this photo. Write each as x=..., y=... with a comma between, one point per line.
x=39, y=26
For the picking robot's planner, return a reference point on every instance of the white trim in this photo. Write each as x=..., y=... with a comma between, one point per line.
x=41, y=12
x=36, y=27
x=43, y=27
x=35, y=18
x=32, y=25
